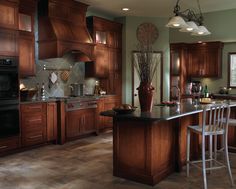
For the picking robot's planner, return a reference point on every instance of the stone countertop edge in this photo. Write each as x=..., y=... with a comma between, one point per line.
x=160, y=113
x=39, y=101
x=51, y=99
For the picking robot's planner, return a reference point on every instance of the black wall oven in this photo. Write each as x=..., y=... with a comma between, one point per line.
x=9, y=96
x=9, y=83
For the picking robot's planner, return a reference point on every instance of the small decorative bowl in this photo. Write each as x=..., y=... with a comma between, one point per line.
x=124, y=111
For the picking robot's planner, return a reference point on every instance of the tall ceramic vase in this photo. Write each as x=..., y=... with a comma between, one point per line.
x=145, y=94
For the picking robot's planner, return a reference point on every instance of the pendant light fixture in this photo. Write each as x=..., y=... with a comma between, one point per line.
x=188, y=21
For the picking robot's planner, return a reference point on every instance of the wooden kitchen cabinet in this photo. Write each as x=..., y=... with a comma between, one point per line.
x=51, y=121
x=80, y=122
x=9, y=144
x=9, y=42
x=106, y=103
x=33, y=124
x=27, y=9
x=178, y=74
x=99, y=68
x=108, y=37
x=205, y=59
x=9, y=14
x=26, y=55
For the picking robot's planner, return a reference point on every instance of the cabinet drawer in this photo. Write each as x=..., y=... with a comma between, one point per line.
x=8, y=144
x=37, y=107
x=33, y=138
x=31, y=120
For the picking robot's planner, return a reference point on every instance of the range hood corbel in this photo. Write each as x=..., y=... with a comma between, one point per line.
x=62, y=29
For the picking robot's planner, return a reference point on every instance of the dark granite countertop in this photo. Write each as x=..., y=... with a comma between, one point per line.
x=38, y=101
x=217, y=94
x=54, y=99
x=162, y=112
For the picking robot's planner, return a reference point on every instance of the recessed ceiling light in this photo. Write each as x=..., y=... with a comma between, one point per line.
x=125, y=9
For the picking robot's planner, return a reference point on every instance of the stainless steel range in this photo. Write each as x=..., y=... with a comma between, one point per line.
x=79, y=103
x=78, y=117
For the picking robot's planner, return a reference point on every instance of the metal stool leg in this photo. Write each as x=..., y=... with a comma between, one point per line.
x=188, y=150
x=227, y=160
x=210, y=152
x=215, y=147
x=204, y=163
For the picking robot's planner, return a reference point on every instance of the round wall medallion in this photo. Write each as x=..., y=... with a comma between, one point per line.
x=147, y=33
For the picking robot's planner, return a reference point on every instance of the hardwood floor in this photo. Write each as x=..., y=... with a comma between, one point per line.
x=87, y=164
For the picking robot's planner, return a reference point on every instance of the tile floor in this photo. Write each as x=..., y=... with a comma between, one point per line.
x=87, y=164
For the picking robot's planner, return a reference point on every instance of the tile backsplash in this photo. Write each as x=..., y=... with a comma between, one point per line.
x=60, y=88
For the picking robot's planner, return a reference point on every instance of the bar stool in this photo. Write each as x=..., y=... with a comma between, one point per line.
x=213, y=124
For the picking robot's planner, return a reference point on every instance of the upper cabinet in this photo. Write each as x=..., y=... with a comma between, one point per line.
x=108, y=37
x=8, y=28
x=9, y=14
x=178, y=74
x=205, y=59
x=27, y=9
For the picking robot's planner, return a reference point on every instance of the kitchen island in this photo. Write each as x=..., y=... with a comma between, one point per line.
x=147, y=147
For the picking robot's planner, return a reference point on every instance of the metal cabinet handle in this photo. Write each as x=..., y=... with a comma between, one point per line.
x=36, y=136
x=3, y=147
x=34, y=120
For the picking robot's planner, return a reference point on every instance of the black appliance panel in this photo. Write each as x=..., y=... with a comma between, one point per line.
x=9, y=120
x=9, y=82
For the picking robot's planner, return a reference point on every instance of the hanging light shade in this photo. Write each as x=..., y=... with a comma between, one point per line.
x=176, y=22
x=194, y=24
x=202, y=30
x=191, y=26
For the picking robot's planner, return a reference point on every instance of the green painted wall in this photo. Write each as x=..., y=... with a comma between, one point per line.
x=130, y=25
x=223, y=28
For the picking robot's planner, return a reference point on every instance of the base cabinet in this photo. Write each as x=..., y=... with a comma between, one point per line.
x=80, y=122
x=38, y=123
x=33, y=124
x=9, y=144
x=51, y=121
x=104, y=104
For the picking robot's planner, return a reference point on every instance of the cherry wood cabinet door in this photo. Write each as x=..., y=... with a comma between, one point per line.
x=51, y=121
x=213, y=62
x=205, y=60
x=33, y=124
x=101, y=54
x=88, y=121
x=196, y=63
x=9, y=42
x=8, y=15
x=79, y=122
x=25, y=22
x=109, y=103
x=26, y=55
x=100, y=67
x=99, y=118
x=73, y=124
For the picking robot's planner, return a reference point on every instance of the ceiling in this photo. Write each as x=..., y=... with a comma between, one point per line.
x=155, y=8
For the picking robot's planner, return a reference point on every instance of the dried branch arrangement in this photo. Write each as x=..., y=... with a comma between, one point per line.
x=145, y=63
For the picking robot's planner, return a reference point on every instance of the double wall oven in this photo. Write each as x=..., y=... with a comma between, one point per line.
x=9, y=96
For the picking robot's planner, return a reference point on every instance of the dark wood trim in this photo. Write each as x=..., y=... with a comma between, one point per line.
x=229, y=54
x=161, y=82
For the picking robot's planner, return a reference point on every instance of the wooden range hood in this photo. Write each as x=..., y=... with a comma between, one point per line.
x=62, y=29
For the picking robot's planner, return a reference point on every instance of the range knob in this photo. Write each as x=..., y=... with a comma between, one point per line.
x=70, y=105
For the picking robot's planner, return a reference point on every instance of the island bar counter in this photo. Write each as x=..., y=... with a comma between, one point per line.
x=147, y=147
